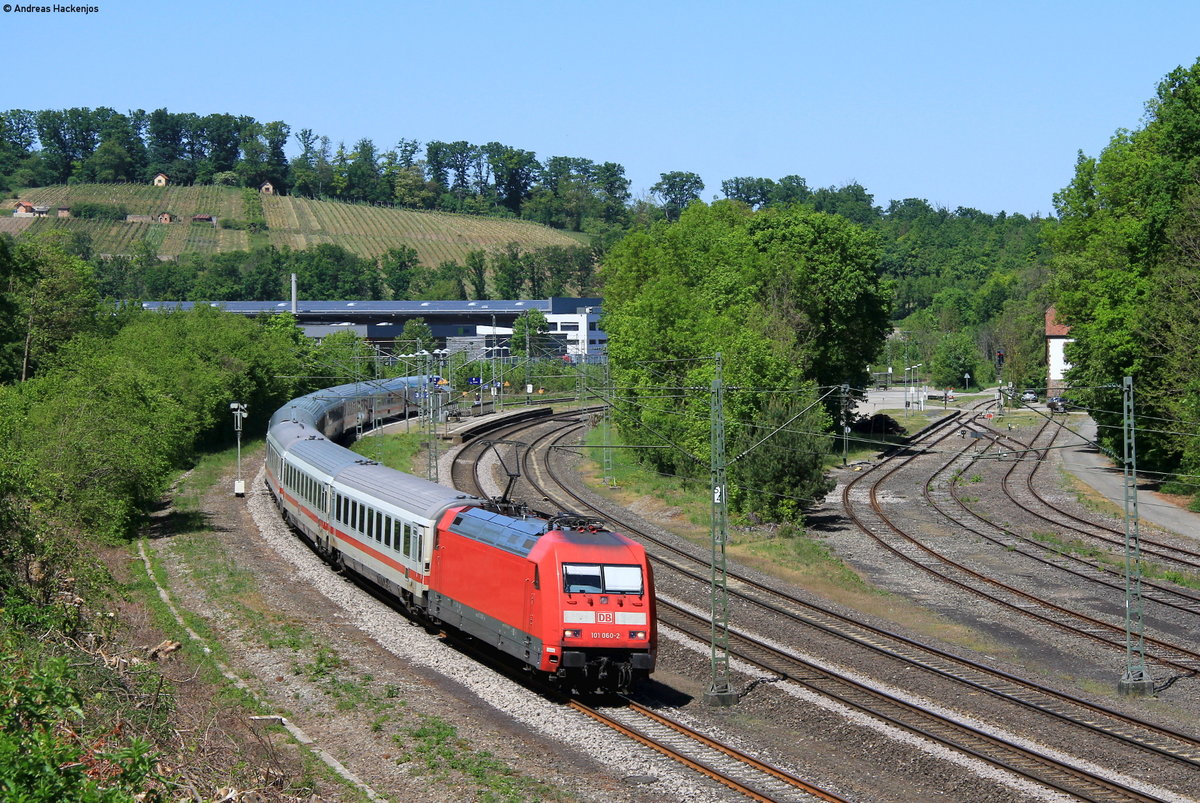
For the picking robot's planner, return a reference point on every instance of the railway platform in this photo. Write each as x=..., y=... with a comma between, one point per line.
x=458, y=429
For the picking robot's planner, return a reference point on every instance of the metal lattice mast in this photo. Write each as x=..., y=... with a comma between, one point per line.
x=720, y=690
x=1137, y=679
x=610, y=476
x=430, y=424
x=845, y=421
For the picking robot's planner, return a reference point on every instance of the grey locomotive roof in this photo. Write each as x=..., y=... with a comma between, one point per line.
x=518, y=536
x=593, y=537
x=420, y=497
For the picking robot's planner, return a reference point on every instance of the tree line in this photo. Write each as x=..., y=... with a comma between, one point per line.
x=329, y=272
x=967, y=284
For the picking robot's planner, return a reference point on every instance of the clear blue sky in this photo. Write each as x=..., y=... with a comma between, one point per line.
x=961, y=103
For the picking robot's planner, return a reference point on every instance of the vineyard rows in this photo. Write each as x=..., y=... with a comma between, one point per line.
x=296, y=223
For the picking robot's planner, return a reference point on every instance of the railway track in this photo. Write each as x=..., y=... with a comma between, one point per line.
x=1096, y=719
x=740, y=772
x=1084, y=566
x=907, y=547
x=913, y=718
x=1024, y=492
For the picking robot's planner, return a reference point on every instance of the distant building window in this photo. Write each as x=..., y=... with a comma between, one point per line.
x=569, y=327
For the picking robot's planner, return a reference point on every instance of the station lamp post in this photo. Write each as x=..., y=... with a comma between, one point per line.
x=239, y=413
x=910, y=373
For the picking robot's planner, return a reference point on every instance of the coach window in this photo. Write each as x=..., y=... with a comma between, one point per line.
x=387, y=531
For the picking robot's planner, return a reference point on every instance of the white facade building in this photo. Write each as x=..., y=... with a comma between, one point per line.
x=579, y=330
x=1057, y=338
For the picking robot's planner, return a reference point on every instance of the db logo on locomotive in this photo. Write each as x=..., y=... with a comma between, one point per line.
x=604, y=617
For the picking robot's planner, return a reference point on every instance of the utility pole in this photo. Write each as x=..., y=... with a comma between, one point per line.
x=1137, y=680
x=720, y=690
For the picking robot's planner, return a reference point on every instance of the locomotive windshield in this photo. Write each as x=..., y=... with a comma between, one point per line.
x=584, y=578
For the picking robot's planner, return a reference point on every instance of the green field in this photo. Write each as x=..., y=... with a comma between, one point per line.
x=296, y=223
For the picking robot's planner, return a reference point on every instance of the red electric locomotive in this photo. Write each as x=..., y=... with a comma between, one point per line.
x=564, y=595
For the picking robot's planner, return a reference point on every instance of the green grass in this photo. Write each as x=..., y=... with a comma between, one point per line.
x=1114, y=561
x=398, y=450
x=433, y=747
x=204, y=475
x=683, y=506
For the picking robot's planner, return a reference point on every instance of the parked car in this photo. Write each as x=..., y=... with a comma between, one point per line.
x=1029, y=396
x=1058, y=404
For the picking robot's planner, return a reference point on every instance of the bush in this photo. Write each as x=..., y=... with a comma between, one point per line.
x=43, y=757
x=96, y=211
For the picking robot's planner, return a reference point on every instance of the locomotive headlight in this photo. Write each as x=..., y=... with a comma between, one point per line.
x=572, y=633
x=637, y=634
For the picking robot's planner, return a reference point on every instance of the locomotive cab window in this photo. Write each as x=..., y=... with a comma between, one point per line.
x=583, y=578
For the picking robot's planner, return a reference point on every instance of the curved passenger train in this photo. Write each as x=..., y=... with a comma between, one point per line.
x=566, y=597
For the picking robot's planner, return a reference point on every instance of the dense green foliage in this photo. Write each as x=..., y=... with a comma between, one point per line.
x=115, y=402
x=330, y=272
x=41, y=761
x=1126, y=265
x=791, y=298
